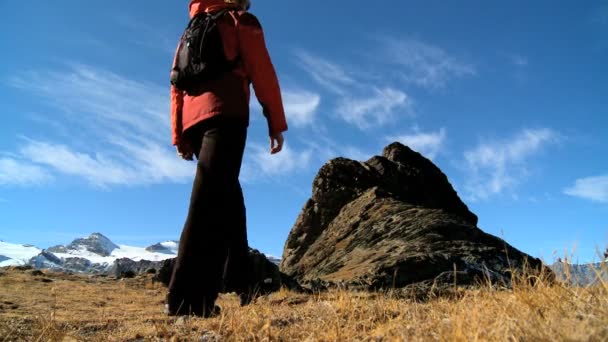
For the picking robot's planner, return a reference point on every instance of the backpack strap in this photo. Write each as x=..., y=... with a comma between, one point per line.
x=218, y=14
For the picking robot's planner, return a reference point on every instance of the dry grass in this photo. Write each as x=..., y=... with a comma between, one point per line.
x=82, y=308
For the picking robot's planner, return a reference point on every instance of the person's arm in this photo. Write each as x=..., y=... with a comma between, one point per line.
x=177, y=104
x=261, y=72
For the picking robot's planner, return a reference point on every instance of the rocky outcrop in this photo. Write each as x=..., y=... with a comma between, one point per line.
x=126, y=268
x=392, y=221
x=266, y=277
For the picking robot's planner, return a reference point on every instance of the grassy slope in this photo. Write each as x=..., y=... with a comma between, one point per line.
x=72, y=307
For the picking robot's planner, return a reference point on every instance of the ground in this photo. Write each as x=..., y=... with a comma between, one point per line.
x=45, y=306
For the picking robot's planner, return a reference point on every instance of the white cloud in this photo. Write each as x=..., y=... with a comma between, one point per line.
x=591, y=188
x=494, y=167
x=424, y=64
x=375, y=110
x=329, y=75
x=260, y=164
x=20, y=173
x=324, y=148
x=120, y=128
x=428, y=144
x=131, y=165
x=99, y=98
x=300, y=107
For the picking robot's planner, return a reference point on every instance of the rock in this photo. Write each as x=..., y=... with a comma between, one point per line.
x=77, y=264
x=391, y=222
x=164, y=272
x=127, y=268
x=36, y=273
x=265, y=274
x=23, y=268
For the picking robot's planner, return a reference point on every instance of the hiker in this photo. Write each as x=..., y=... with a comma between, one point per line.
x=209, y=122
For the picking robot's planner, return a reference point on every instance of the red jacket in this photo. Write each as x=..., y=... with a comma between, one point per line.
x=242, y=37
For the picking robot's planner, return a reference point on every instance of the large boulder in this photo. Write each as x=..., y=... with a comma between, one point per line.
x=266, y=277
x=390, y=222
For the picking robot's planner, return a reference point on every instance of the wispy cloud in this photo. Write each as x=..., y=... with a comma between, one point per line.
x=376, y=109
x=130, y=164
x=428, y=144
x=328, y=74
x=494, y=167
x=359, y=101
x=147, y=36
x=591, y=188
x=125, y=123
x=301, y=106
x=259, y=164
x=21, y=173
x=325, y=148
x=424, y=64
x=99, y=98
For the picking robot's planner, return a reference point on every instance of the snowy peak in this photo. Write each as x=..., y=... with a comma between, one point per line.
x=96, y=243
x=167, y=247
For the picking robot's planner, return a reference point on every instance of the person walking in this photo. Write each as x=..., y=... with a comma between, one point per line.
x=210, y=122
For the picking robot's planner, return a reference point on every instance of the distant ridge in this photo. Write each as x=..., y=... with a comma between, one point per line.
x=95, y=254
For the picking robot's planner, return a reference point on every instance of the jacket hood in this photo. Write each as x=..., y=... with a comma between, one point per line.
x=200, y=6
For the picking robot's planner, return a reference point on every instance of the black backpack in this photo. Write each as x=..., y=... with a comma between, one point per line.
x=200, y=56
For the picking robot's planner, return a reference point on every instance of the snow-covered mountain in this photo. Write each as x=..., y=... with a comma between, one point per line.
x=168, y=247
x=13, y=254
x=98, y=249
x=93, y=254
x=96, y=244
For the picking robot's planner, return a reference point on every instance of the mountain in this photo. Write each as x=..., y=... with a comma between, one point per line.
x=168, y=247
x=581, y=274
x=96, y=244
x=13, y=254
x=94, y=254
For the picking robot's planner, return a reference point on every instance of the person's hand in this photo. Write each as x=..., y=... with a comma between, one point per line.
x=276, y=143
x=184, y=151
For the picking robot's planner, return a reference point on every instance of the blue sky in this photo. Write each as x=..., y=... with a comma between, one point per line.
x=510, y=99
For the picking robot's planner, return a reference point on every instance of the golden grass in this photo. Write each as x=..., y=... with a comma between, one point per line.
x=83, y=308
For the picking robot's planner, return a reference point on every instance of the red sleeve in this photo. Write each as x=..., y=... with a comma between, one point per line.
x=177, y=104
x=261, y=72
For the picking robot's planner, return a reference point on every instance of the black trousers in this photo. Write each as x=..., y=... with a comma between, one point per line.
x=213, y=250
